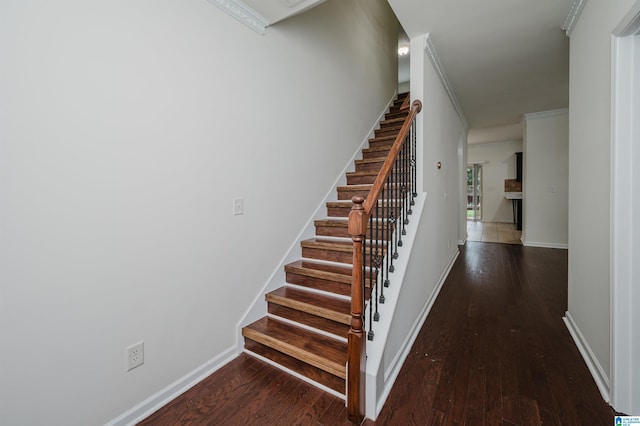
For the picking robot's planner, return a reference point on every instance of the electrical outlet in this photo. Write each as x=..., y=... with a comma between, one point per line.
x=238, y=207
x=135, y=355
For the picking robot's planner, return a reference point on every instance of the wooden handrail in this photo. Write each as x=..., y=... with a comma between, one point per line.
x=405, y=104
x=378, y=184
x=358, y=221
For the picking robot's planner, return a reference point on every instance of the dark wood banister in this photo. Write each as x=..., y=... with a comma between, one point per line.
x=405, y=104
x=358, y=221
x=379, y=183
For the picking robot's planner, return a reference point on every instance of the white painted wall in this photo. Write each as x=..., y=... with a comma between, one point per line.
x=545, y=179
x=126, y=129
x=589, y=178
x=498, y=161
x=439, y=130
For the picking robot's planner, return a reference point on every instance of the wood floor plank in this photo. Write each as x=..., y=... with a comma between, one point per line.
x=493, y=351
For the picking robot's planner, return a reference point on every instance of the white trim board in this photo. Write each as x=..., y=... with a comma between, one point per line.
x=624, y=271
x=243, y=13
x=156, y=401
x=545, y=245
x=577, y=6
x=599, y=376
x=544, y=114
x=431, y=52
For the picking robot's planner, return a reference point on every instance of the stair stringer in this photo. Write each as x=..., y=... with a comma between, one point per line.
x=383, y=362
x=258, y=308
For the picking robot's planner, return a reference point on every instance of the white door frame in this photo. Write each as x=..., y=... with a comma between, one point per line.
x=625, y=190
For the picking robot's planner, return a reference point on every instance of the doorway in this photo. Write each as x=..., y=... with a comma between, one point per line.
x=625, y=235
x=474, y=192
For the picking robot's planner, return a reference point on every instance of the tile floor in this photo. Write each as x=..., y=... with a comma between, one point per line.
x=493, y=232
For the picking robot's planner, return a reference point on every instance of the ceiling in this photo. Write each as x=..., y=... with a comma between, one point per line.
x=502, y=58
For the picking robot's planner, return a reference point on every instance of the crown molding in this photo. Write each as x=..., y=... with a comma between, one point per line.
x=543, y=114
x=291, y=3
x=577, y=6
x=630, y=24
x=430, y=50
x=243, y=13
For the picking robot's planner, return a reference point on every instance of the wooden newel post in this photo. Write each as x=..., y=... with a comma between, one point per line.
x=356, y=355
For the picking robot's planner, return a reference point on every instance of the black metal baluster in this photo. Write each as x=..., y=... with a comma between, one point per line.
x=384, y=222
x=400, y=202
x=377, y=261
x=405, y=189
x=414, y=171
x=373, y=269
x=394, y=208
x=364, y=272
x=409, y=174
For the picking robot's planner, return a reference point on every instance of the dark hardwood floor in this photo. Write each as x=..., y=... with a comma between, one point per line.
x=493, y=351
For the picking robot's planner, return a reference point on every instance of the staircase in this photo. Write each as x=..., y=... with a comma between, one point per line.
x=309, y=317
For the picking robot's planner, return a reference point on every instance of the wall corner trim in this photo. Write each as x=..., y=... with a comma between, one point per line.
x=243, y=13
x=599, y=376
x=577, y=6
x=430, y=49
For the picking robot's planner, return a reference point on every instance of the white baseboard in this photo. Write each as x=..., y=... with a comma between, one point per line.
x=175, y=389
x=599, y=376
x=545, y=245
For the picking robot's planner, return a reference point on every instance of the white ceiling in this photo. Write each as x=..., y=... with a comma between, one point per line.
x=503, y=58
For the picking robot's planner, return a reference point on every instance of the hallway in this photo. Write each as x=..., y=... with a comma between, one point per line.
x=493, y=351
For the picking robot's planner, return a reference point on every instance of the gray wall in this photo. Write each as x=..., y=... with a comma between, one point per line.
x=126, y=130
x=589, y=175
x=546, y=179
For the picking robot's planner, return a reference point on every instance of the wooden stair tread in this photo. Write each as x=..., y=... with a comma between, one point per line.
x=382, y=138
x=392, y=121
x=357, y=187
x=349, y=203
x=335, y=223
x=346, y=246
x=389, y=127
x=328, y=271
x=371, y=160
x=319, y=351
x=323, y=306
x=381, y=148
x=395, y=114
x=364, y=186
x=342, y=223
x=341, y=274
x=363, y=173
